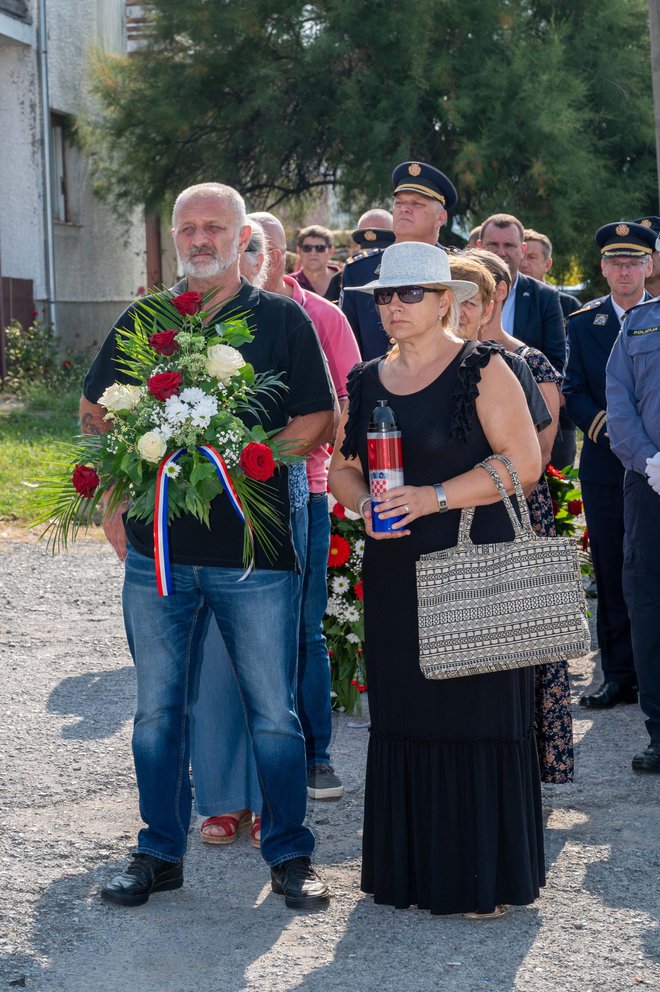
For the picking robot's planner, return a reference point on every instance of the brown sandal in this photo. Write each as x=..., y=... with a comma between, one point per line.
x=232, y=826
x=497, y=912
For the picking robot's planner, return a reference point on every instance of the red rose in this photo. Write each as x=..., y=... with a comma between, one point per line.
x=358, y=590
x=85, y=480
x=574, y=506
x=340, y=551
x=163, y=342
x=257, y=461
x=339, y=511
x=188, y=303
x=555, y=508
x=164, y=384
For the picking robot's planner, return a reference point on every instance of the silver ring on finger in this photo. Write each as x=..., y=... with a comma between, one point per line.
x=406, y=508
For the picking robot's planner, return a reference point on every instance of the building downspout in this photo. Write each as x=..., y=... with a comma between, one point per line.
x=49, y=238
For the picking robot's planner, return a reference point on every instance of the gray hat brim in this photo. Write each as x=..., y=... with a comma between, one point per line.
x=461, y=289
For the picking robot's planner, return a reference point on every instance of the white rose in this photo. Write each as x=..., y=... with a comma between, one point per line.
x=118, y=397
x=152, y=446
x=222, y=361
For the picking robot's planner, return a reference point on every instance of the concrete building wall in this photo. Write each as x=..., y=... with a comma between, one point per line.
x=21, y=215
x=99, y=262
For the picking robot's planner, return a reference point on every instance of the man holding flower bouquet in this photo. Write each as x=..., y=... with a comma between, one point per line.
x=205, y=571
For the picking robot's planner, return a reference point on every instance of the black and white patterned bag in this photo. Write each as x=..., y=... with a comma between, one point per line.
x=490, y=607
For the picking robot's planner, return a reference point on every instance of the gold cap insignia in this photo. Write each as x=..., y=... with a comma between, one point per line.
x=414, y=169
x=622, y=230
x=370, y=235
x=646, y=222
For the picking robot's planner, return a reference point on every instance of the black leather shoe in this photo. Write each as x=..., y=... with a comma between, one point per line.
x=609, y=694
x=301, y=887
x=649, y=760
x=144, y=875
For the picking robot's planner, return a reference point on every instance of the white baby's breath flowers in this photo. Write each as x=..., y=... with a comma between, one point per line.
x=119, y=398
x=151, y=446
x=222, y=361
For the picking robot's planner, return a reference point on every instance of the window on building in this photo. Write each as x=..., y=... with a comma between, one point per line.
x=61, y=147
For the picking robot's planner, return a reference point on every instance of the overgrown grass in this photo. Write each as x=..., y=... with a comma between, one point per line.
x=28, y=444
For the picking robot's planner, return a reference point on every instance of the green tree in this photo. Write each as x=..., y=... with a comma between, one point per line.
x=539, y=107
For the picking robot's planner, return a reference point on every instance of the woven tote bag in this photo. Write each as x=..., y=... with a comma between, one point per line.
x=491, y=607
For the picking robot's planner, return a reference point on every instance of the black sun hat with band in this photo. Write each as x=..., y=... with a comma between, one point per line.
x=418, y=177
x=625, y=238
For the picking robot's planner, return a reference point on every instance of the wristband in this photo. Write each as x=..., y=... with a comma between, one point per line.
x=361, y=502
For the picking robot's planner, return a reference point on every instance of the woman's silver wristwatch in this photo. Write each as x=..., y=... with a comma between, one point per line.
x=442, y=498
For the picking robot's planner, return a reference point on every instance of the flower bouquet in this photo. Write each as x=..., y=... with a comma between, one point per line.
x=343, y=623
x=567, y=510
x=176, y=438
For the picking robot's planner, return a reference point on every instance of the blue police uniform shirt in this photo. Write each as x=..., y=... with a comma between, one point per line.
x=633, y=388
x=359, y=308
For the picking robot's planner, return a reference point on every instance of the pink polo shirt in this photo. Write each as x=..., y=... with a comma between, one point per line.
x=341, y=350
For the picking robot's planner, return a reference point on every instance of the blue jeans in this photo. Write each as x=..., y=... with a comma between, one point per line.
x=223, y=765
x=314, y=704
x=257, y=621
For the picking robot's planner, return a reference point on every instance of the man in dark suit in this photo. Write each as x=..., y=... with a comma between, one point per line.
x=537, y=262
x=532, y=311
x=422, y=196
x=625, y=262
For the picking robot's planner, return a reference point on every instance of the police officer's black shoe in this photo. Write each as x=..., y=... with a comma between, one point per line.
x=609, y=694
x=301, y=887
x=649, y=760
x=144, y=875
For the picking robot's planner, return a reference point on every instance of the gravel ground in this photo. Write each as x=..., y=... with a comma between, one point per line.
x=69, y=815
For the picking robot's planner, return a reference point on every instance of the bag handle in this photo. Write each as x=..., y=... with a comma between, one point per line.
x=521, y=528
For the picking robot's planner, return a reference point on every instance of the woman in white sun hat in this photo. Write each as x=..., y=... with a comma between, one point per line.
x=452, y=803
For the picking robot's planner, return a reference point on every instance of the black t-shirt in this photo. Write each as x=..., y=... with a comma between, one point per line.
x=284, y=342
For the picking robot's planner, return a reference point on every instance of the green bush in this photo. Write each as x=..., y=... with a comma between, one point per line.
x=35, y=365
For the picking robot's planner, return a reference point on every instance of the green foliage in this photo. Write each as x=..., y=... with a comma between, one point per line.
x=539, y=107
x=35, y=367
x=29, y=446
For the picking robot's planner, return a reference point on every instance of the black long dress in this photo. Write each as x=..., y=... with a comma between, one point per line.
x=452, y=805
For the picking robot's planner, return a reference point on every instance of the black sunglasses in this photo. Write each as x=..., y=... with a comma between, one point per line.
x=318, y=248
x=406, y=294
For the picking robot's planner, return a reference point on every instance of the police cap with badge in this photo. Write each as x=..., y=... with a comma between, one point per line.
x=627, y=239
x=373, y=237
x=651, y=222
x=419, y=177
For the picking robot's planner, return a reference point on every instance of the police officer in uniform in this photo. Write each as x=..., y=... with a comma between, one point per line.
x=422, y=197
x=652, y=285
x=633, y=423
x=625, y=262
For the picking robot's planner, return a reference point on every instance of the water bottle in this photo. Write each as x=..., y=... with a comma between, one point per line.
x=385, y=461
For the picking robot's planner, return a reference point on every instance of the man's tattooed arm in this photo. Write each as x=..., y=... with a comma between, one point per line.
x=91, y=418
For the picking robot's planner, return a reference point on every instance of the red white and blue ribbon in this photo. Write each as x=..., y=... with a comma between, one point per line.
x=161, y=538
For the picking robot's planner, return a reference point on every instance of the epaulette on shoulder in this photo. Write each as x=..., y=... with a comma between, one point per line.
x=359, y=256
x=591, y=305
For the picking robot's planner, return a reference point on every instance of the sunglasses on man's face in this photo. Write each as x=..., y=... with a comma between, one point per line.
x=319, y=248
x=406, y=294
